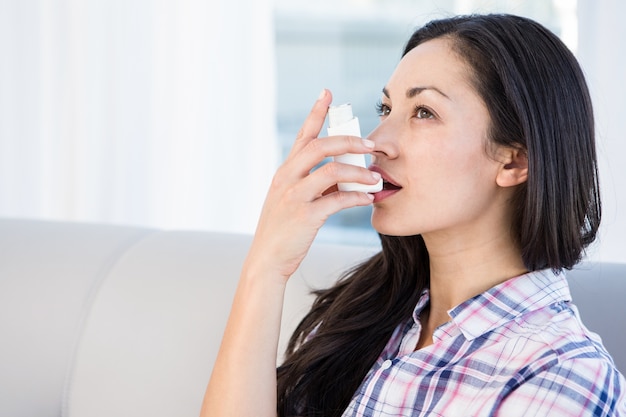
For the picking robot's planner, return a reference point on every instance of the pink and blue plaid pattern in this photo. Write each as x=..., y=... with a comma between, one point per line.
x=518, y=349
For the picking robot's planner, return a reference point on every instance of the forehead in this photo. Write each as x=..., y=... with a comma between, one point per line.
x=432, y=63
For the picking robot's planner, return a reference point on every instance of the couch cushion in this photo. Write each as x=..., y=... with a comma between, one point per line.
x=155, y=326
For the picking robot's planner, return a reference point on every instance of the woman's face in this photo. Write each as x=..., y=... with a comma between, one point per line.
x=432, y=147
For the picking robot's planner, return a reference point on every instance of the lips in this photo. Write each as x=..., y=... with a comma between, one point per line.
x=390, y=187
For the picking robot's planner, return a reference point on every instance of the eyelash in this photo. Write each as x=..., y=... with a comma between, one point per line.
x=384, y=110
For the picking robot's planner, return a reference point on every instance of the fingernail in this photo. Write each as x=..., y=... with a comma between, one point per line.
x=368, y=143
x=376, y=175
x=322, y=94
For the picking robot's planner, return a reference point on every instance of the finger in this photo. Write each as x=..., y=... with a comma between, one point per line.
x=341, y=200
x=319, y=182
x=316, y=151
x=314, y=122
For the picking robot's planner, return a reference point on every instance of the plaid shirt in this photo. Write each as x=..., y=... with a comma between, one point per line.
x=518, y=349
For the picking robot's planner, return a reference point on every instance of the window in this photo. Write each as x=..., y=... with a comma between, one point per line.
x=352, y=47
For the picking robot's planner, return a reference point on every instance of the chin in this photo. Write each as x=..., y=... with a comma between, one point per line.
x=390, y=226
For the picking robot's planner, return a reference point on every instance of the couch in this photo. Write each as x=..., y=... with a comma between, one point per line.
x=102, y=320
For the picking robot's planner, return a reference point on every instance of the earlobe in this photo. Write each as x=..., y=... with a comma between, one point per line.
x=514, y=168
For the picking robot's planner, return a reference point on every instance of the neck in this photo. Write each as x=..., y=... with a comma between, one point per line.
x=463, y=268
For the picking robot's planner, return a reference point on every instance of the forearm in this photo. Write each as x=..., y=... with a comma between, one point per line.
x=243, y=382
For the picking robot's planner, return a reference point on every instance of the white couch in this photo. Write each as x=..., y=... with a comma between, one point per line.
x=100, y=320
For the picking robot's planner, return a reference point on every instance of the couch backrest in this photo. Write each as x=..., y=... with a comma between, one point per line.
x=599, y=291
x=49, y=273
x=117, y=321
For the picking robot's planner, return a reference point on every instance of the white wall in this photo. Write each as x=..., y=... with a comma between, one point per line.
x=602, y=53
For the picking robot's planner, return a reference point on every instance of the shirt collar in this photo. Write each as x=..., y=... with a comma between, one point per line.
x=508, y=300
x=421, y=303
x=505, y=302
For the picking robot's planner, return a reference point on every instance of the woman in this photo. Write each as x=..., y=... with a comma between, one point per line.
x=486, y=146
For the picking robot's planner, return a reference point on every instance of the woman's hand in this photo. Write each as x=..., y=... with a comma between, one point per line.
x=299, y=201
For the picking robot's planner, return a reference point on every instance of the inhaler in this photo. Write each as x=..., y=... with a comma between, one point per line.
x=341, y=121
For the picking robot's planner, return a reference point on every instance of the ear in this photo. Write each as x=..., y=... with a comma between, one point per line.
x=514, y=168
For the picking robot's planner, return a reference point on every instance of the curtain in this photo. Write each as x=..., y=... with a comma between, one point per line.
x=151, y=113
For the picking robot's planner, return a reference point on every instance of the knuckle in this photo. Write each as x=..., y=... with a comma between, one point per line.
x=283, y=181
x=332, y=169
x=316, y=147
x=349, y=199
x=341, y=198
x=300, y=134
x=278, y=179
x=289, y=195
x=346, y=199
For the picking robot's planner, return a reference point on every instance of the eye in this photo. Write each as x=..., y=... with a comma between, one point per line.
x=422, y=112
x=382, y=109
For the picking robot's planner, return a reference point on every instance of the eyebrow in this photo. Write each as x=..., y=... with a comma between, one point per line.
x=414, y=91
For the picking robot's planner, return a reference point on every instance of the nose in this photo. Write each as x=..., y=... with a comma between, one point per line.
x=384, y=138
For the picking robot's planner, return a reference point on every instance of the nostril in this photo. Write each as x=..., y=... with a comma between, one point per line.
x=380, y=154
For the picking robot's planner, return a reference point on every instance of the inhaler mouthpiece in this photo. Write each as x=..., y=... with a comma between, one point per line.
x=341, y=121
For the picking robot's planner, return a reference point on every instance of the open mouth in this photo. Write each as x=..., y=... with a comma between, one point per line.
x=389, y=189
x=390, y=186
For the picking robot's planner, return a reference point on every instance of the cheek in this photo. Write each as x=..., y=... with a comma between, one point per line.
x=468, y=169
x=452, y=177
x=453, y=163
x=471, y=188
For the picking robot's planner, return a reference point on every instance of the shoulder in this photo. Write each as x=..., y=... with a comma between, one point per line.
x=561, y=333
x=580, y=385
x=569, y=374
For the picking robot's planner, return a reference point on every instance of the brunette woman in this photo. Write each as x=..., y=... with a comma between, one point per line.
x=486, y=147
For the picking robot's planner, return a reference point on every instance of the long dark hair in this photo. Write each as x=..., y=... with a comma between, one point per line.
x=538, y=101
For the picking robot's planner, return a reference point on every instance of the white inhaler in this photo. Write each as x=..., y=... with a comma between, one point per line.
x=341, y=121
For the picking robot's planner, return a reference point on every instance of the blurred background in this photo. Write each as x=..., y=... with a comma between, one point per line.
x=175, y=114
